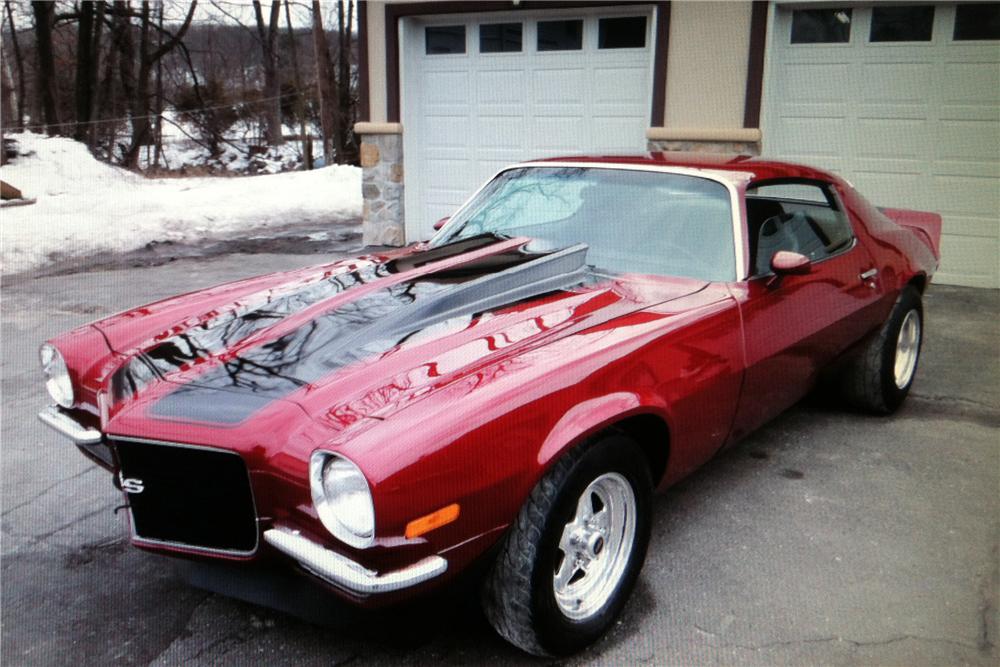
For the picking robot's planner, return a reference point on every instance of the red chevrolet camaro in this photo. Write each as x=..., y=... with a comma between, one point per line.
x=580, y=333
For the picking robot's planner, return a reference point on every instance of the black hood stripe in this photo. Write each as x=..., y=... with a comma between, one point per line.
x=367, y=327
x=221, y=333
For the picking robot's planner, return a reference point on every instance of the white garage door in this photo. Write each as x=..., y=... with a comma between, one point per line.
x=481, y=92
x=903, y=101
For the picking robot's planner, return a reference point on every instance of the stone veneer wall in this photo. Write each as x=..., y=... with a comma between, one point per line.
x=382, y=184
x=744, y=141
x=739, y=147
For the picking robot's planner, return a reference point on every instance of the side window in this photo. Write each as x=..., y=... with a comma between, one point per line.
x=803, y=217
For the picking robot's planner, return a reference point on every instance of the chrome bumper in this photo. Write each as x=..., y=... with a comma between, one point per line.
x=344, y=572
x=55, y=417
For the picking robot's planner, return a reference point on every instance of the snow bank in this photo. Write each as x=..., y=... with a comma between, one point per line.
x=86, y=206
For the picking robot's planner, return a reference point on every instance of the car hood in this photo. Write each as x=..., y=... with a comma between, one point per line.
x=366, y=337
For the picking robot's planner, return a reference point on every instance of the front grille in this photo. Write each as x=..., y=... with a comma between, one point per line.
x=188, y=496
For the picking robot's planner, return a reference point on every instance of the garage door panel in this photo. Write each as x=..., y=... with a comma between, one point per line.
x=966, y=195
x=443, y=173
x=895, y=82
x=823, y=136
x=447, y=131
x=559, y=86
x=817, y=82
x=891, y=137
x=447, y=87
x=967, y=169
x=614, y=134
x=500, y=87
x=501, y=132
x=900, y=189
x=975, y=84
x=969, y=261
x=968, y=140
x=971, y=226
x=560, y=133
x=620, y=85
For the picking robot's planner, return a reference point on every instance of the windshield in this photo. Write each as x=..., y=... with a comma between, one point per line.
x=633, y=221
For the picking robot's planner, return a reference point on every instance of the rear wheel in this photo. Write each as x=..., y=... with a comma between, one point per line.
x=880, y=377
x=571, y=559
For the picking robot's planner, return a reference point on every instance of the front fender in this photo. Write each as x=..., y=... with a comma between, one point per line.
x=594, y=415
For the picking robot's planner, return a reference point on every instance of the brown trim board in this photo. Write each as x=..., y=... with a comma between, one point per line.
x=364, y=106
x=755, y=64
x=394, y=12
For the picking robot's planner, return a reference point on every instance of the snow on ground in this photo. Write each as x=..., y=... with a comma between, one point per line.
x=86, y=206
x=181, y=150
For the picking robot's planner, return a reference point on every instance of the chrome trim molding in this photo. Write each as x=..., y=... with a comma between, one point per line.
x=344, y=572
x=58, y=419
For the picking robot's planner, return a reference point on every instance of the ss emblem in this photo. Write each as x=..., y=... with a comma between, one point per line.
x=131, y=484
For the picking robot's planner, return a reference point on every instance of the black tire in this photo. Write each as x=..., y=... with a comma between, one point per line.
x=519, y=596
x=869, y=381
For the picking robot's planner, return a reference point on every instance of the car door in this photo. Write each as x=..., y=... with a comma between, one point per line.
x=794, y=325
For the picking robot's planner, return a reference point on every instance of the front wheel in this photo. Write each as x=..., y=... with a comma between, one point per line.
x=880, y=377
x=571, y=559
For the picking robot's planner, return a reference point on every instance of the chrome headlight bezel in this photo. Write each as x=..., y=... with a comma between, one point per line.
x=342, y=498
x=57, y=379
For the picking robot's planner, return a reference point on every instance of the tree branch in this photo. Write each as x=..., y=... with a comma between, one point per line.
x=176, y=38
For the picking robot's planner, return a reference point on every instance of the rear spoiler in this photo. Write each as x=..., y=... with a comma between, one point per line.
x=927, y=226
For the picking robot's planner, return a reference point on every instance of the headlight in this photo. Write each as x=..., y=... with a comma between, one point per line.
x=342, y=498
x=57, y=379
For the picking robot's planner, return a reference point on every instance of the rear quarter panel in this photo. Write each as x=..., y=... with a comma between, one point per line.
x=899, y=254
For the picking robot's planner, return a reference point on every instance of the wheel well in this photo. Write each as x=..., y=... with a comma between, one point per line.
x=919, y=281
x=653, y=436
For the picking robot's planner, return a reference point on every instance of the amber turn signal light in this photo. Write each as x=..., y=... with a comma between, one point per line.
x=427, y=523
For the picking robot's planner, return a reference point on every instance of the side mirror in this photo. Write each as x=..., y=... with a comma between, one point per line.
x=441, y=223
x=787, y=263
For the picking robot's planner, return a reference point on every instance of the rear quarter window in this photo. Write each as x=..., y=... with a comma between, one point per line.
x=802, y=217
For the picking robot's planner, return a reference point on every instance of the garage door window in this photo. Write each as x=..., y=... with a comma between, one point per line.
x=560, y=35
x=444, y=39
x=500, y=38
x=902, y=24
x=627, y=32
x=821, y=26
x=979, y=21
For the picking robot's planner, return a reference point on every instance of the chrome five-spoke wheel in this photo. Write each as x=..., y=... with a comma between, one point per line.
x=595, y=547
x=907, y=349
x=572, y=557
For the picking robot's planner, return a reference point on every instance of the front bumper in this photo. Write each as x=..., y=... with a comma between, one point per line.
x=335, y=569
x=56, y=418
x=346, y=574
x=89, y=440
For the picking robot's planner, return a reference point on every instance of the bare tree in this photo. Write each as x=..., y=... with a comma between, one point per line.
x=307, y=157
x=18, y=64
x=6, y=106
x=268, y=36
x=346, y=151
x=323, y=81
x=137, y=86
x=85, y=64
x=93, y=74
x=46, y=80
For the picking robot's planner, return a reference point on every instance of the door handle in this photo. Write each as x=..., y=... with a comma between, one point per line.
x=869, y=274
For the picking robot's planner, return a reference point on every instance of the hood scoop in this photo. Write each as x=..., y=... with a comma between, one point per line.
x=365, y=328
x=550, y=272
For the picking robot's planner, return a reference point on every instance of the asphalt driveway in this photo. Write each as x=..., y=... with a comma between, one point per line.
x=826, y=538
